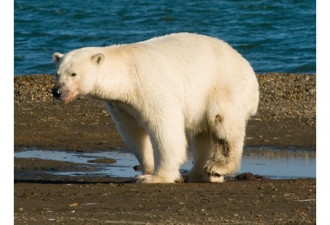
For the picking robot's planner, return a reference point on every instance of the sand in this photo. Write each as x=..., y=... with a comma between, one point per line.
x=286, y=120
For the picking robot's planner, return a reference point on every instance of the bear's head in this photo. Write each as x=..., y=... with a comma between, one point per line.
x=76, y=74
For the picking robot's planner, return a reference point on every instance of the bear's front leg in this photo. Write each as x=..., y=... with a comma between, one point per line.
x=135, y=137
x=169, y=144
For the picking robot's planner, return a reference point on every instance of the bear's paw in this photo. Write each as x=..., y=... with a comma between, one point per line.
x=215, y=170
x=153, y=179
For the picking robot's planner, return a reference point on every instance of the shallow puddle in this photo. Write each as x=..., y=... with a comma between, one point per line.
x=268, y=162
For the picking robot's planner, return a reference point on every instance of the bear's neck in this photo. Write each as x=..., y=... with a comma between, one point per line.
x=119, y=80
x=114, y=87
x=109, y=92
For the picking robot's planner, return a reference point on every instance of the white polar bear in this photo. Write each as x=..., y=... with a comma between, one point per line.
x=165, y=91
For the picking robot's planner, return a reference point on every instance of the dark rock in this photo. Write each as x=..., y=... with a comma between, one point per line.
x=249, y=176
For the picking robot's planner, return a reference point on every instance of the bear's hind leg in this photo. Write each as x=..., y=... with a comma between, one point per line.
x=228, y=138
x=202, y=149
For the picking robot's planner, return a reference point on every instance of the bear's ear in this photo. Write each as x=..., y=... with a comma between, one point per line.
x=98, y=58
x=57, y=57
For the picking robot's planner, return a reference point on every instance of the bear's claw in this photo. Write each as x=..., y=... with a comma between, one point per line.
x=213, y=169
x=214, y=174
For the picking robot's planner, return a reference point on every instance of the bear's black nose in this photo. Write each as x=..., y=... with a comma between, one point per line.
x=56, y=92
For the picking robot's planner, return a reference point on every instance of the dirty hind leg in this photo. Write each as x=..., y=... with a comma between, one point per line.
x=226, y=158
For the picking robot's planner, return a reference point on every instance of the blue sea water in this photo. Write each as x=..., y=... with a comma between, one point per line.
x=275, y=36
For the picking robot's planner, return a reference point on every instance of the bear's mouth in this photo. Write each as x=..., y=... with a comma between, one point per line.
x=68, y=99
x=63, y=95
x=68, y=96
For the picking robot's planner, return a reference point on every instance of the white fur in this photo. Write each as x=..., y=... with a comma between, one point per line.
x=161, y=92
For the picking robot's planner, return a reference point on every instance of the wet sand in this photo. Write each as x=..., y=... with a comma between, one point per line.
x=286, y=119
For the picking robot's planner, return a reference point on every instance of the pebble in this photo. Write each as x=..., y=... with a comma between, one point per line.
x=73, y=204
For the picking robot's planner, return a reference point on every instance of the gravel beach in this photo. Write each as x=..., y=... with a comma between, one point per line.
x=286, y=116
x=286, y=119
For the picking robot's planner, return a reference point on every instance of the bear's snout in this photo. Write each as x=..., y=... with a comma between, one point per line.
x=56, y=92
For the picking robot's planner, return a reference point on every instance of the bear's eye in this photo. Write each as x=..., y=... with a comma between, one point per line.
x=73, y=74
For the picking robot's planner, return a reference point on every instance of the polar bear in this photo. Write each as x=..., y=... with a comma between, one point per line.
x=164, y=93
